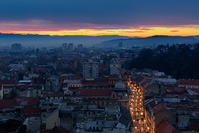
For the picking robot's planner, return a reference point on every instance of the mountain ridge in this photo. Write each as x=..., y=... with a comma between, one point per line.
x=150, y=41
x=35, y=40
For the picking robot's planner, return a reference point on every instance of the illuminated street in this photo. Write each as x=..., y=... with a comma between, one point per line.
x=137, y=108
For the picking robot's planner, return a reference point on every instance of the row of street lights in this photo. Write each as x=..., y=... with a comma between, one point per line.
x=137, y=108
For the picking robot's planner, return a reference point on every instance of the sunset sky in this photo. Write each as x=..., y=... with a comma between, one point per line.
x=100, y=17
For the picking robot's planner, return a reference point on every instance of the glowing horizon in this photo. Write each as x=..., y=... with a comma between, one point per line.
x=144, y=31
x=100, y=17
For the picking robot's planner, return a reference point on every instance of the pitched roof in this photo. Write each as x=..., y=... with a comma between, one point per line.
x=192, y=91
x=4, y=104
x=194, y=125
x=95, y=92
x=165, y=127
x=27, y=101
x=58, y=130
x=188, y=82
x=184, y=105
x=8, y=81
x=31, y=111
x=53, y=94
x=158, y=108
x=96, y=85
x=125, y=118
x=174, y=89
x=55, y=130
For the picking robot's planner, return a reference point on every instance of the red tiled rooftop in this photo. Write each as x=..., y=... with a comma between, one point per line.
x=27, y=101
x=4, y=104
x=188, y=82
x=41, y=68
x=7, y=81
x=32, y=111
x=55, y=130
x=175, y=95
x=95, y=92
x=139, y=78
x=194, y=125
x=185, y=105
x=113, y=76
x=174, y=89
x=158, y=108
x=192, y=91
x=122, y=72
x=95, y=85
x=54, y=94
x=145, y=82
x=165, y=127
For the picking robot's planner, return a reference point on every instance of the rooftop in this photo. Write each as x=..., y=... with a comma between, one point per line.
x=165, y=127
x=95, y=92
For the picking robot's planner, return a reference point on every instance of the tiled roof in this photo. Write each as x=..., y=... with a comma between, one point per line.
x=31, y=111
x=194, y=125
x=95, y=85
x=165, y=127
x=7, y=81
x=139, y=78
x=95, y=92
x=125, y=118
x=58, y=130
x=192, y=91
x=182, y=104
x=122, y=72
x=174, y=89
x=113, y=76
x=55, y=130
x=188, y=82
x=158, y=108
x=52, y=94
x=25, y=101
x=4, y=104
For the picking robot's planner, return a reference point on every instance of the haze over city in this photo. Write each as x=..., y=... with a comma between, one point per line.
x=99, y=66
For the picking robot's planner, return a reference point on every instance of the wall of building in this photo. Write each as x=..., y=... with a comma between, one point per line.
x=53, y=120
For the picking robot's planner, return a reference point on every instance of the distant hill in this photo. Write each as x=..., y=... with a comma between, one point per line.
x=150, y=41
x=49, y=41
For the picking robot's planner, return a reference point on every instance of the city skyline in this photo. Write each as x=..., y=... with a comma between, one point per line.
x=125, y=18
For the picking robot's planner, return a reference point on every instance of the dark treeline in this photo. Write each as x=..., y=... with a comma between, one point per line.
x=179, y=61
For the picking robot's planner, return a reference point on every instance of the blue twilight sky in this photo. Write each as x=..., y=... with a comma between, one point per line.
x=95, y=14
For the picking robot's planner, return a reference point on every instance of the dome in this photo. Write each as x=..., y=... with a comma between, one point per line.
x=120, y=85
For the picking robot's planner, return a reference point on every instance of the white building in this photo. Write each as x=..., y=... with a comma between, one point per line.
x=114, y=67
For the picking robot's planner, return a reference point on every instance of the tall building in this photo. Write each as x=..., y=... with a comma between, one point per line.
x=80, y=47
x=64, y=46
x=16, y=47
x=70, y=46
x=114, y=67
x=52, y=84
x=90, y=70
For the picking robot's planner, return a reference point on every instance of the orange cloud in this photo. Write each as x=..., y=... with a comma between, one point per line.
x=142, y=31
x=175, y=31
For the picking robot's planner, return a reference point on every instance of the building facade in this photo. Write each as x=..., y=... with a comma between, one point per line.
x=90, y=70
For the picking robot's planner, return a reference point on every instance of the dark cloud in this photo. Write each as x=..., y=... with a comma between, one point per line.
x=110, y=12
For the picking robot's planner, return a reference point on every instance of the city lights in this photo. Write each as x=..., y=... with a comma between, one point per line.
x=136, y=106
